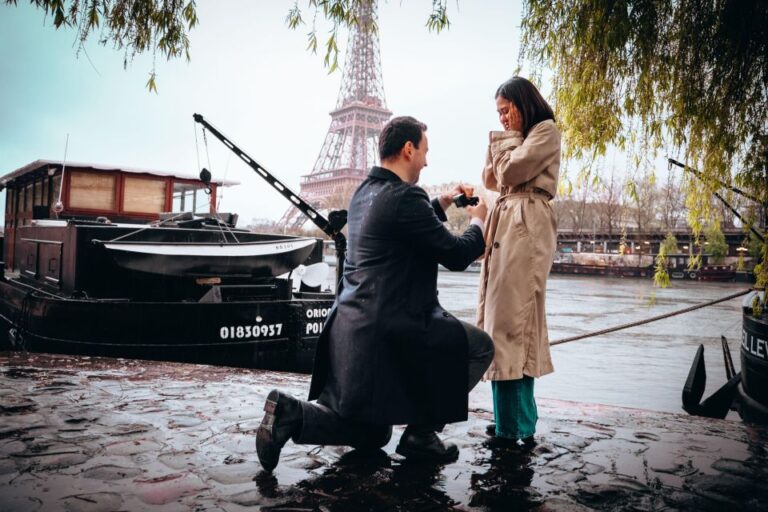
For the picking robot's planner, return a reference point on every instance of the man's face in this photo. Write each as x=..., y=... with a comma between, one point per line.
x=419, y=158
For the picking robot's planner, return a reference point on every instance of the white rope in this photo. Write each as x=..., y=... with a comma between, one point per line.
x=59, y=206
x=221, y=225
x=197, y=148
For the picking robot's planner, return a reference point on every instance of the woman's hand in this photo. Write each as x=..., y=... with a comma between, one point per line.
x=478, y=212
x=509, y=116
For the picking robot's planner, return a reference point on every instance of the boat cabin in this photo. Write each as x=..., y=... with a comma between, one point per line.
x=55, y=213
x=50, y=189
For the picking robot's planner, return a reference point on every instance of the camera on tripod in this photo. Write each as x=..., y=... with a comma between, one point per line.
x=461, y=200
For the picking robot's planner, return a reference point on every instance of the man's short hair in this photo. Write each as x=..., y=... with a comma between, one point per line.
x=397, y=132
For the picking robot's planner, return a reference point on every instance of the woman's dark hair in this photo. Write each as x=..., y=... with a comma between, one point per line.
x=397, y=132
x=528, y=100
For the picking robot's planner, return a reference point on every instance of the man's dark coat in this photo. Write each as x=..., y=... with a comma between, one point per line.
x=389, y=353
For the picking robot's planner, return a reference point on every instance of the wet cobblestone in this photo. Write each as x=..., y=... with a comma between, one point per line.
x=84, y=434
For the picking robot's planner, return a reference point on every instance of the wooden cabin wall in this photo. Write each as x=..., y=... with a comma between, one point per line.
x=25, y=201
x=11, y=200
x=39, y=254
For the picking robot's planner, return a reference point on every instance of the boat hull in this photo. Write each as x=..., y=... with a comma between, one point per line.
x=268, y=334
x=753, y=390
x=600, y=270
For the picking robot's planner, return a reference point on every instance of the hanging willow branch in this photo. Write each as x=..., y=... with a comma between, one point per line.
x=139, y=26
x=343, y=13
x=133, y=26
x=646, y=74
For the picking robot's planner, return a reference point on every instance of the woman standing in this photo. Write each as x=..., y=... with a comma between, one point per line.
x=522, y=164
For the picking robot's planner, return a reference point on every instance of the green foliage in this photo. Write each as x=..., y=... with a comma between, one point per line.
x=134, y=26
x=716, y=244
x=348, y=13
x=755, y=246
x=757, y=306
x=689, y=73
x=761, y=274
x=139, y=26
x=660, y=274
x=761, y=270
x=669, y=245
x=684, y=75
x=438, y=19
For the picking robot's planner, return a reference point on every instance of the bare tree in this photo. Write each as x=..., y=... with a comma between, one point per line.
x=562, y=208
x=609, y=206
x=671, y=204
x=646, y=202
x=458, y=219
x=581, y=215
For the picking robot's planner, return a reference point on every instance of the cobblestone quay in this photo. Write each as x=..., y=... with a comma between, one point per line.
x=87, y=434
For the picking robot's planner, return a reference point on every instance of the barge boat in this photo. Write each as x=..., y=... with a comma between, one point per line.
x=616, y=265
x=93, y=266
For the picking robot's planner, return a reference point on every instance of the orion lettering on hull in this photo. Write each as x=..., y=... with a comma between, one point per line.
x=318, y=312
x=758, y=347
x=316, y=327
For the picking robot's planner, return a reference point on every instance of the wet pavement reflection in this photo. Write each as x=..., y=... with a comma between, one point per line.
x=87, y=434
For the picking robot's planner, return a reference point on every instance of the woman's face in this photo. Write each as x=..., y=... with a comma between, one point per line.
x=509, y=116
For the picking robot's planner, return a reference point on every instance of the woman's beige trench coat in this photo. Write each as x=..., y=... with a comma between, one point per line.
x=521, y=236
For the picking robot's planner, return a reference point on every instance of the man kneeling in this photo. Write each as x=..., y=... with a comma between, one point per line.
x=389, y=353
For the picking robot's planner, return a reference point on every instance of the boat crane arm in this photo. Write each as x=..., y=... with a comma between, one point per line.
x=331, y=226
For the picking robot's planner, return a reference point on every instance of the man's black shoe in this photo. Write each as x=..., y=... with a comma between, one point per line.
x=426, y=447
x=490, y=429
x=281, y=422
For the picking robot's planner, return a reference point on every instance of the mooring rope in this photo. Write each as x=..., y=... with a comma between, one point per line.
x=649, y=320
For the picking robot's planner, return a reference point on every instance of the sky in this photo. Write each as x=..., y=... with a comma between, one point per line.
x=252, y=78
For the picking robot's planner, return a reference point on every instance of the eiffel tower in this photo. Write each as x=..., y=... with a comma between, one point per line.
x=352, y=143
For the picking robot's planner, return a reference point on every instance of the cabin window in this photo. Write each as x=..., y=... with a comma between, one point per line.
x=56, y=187
x=27, y=202
x=189, y=198
x=143, y=195
x=92, y=191
x=9, y=207
x=38, y=193
x=28, y=189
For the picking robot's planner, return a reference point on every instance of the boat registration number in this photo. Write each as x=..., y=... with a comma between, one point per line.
x=239, y=332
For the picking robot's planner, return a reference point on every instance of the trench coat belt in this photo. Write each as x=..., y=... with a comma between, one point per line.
x=533, y=190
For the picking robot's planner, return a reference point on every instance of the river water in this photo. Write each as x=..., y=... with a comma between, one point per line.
x=644, y=366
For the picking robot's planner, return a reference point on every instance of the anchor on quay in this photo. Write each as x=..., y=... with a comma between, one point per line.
x=746, y=391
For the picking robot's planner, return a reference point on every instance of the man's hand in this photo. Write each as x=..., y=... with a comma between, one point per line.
x=447, y=199
x=478, y=212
